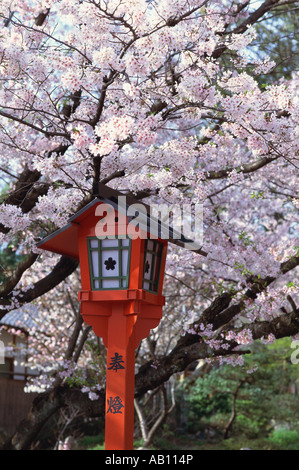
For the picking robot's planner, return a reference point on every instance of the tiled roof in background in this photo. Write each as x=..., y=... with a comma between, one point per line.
x=24, y=317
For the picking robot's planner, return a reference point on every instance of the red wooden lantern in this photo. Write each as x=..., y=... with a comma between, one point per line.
x=122, y=270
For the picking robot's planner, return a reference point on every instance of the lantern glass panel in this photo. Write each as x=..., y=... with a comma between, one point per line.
x=109, y=263
x=152, y=265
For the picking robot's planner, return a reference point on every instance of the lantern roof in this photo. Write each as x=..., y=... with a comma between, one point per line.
x=64, y=241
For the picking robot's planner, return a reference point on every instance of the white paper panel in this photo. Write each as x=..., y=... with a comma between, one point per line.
x=110, y=283
x=106, y=243
x=95, y=263
x=110, y=263
x=94, y=243
x=125, y=255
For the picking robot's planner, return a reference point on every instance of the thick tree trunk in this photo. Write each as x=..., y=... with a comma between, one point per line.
x=45, y=406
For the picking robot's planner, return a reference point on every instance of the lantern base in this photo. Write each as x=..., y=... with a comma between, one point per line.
x=97, y=308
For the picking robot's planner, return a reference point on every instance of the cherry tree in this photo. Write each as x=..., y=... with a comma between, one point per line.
x=166, y=101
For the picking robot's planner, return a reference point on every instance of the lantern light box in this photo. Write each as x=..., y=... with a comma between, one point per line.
x=122, y=263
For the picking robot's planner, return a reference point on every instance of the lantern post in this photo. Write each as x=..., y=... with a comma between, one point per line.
x=122, y=270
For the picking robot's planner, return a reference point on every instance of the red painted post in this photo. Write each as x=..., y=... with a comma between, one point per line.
x=120, y=380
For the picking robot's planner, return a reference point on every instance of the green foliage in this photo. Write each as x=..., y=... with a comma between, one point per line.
x=248, y=426
x=282, y=25
x=10, y=257
x=10, y=254
x=263, y=399
x=92, y=442
x=211, y=393
x=258, y=195
x=285, y=439
x=164, y=439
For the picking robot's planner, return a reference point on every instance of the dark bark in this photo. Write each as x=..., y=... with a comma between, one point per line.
x=16, y=276
x=64, y=268
x=253, y=18
x=45, y=406
x=257, y=286
x=41, y=18
x=233, y=415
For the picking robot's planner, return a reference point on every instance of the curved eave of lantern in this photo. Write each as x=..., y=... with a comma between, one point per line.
x=64, y=241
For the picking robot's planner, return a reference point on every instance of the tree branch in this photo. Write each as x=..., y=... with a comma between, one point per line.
x=252, y=19
x=33, y=126
x=64, y=268
x=14, y=279
x=247, y=168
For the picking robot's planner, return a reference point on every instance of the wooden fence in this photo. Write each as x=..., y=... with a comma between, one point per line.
x=14, y=403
